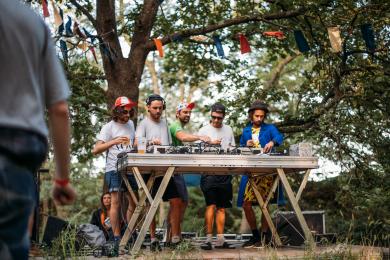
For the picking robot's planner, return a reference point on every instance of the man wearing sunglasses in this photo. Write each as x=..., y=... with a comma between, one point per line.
x=115, y=137
x=217, y=190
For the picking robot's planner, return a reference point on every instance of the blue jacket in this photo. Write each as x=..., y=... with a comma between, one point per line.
x=268, y=132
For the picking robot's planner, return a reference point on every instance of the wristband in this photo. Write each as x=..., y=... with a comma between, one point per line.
x=62, y=182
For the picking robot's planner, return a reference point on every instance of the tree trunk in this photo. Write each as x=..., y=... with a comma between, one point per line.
x=123, y=74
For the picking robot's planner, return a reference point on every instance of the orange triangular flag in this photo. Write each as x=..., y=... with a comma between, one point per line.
x=45, y=9
x=159, y=46
x=277, y=34
x=57, y=17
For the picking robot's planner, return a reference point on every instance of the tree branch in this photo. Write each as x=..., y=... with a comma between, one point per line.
x=235, y=21
x=275, y=75
x=84, y=11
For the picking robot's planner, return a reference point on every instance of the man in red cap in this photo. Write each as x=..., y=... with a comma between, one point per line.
x=176, y=129
x=115, y=137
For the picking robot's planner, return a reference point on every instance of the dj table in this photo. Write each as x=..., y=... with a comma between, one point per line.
x=211, y=164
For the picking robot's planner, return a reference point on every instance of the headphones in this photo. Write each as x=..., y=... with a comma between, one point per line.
x=155, y=97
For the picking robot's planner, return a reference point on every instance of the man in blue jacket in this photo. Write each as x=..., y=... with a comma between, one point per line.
x=257, y=134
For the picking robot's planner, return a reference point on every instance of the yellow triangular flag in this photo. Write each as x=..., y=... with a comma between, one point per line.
x=335, y=39
x=57, y=17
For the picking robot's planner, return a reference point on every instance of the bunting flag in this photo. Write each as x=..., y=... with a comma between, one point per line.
x=89, y=35
x=335, y=39
x=45, y=9
x=64, y=50
x=218, y=44
x=244, y=44
x=61, y=27
x=177, y=38
x=107, y=51
x=199, y=38
x=91, y=48
x=83, y=46
x=68, y=25
x=159, y=46
x=76, y=31
x=277, y=34
x=302, y=44
x=57, y=17
x=368, y=36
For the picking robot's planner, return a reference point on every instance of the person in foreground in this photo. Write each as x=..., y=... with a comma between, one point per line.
x=32, y=80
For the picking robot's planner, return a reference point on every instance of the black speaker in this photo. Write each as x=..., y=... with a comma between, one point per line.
x=53, y=229
x=290, y=230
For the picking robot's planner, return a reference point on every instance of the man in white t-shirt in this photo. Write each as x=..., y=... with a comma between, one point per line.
x=217, y=190
x=115, y=137
x=155, y=130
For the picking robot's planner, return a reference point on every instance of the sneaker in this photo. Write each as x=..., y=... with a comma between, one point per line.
x=251, y=243
x=206, y=246
x=155, y=246
x=267, y=239
x=225, y=245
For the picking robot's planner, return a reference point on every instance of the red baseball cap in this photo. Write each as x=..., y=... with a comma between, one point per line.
x=124, y=102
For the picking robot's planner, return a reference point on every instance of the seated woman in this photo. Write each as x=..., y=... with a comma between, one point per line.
x=100, y=217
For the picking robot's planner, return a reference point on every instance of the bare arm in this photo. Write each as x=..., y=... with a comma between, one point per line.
x=101, y=146
x=60, y=134
x=185, y=137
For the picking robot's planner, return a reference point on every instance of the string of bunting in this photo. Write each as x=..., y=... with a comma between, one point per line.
x=74, y=31
x=302, y=44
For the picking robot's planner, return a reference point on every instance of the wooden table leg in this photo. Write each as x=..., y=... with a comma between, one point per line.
x=265, y=212
x=137, y=212
x=295, y=206
x=303, y=184
x=142, y=185
x=152, y=210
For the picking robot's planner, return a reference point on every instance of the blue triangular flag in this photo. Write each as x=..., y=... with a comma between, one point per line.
x=177, y=38
x=64, y=50
x=68, y=25
x=218, y=44
x=368, y=36
x=89, y=35
x=61, y=27
x=303, y=46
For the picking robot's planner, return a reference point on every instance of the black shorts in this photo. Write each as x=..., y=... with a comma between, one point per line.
x=221, y=196
x=170, y=193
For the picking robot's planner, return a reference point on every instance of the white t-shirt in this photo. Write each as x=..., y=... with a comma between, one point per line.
x=150, y=130
x=225, y=132
x=112, y=130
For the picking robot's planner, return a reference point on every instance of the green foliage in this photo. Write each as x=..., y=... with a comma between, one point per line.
x=66, y=245
x=87, y=107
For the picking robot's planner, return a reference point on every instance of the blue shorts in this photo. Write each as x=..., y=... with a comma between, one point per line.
x=114, y=181
x=181, y=187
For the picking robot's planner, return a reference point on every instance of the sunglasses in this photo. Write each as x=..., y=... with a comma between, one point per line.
x=216, y=118
x=124, y=111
